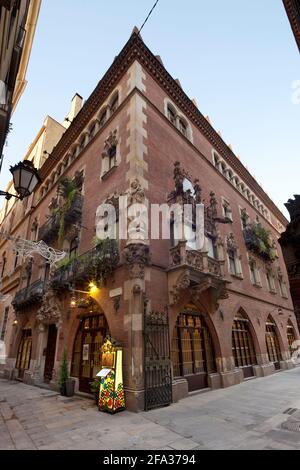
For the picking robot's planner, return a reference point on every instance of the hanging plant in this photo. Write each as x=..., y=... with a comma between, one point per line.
x=68, y=190
x=258, y=240
x=105, y=259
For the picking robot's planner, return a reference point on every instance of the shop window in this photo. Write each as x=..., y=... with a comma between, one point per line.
x=272, y=342
x=242, y=346
x=192, y=351
x=291, y=338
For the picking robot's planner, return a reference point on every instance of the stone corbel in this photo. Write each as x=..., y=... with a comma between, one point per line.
x=183, y=282
x=137, y=258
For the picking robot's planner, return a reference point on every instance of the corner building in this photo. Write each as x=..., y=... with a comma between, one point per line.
x=225, y=311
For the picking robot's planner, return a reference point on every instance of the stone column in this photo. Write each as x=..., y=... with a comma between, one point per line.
x=37, y=376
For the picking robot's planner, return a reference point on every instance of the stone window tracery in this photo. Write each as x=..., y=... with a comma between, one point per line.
x=110, y=154
x=234, y=258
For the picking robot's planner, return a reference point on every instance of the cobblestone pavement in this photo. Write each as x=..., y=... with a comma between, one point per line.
x=258, y=414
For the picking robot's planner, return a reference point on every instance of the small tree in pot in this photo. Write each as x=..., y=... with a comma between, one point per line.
x=66, y=385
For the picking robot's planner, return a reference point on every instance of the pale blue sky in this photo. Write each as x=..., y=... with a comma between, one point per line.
x=237, y=58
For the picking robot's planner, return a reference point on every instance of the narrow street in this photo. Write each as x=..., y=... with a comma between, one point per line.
x=258, y=414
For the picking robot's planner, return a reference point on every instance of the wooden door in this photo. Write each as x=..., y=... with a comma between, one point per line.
x=24, y=353
x=50, y=353
x=86, y=361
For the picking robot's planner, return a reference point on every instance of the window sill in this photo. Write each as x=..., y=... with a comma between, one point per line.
x=237, y=276
x=259, y=286
x=274, y=292
x=109, y=172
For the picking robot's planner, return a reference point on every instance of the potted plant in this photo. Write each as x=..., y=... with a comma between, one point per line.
x=66, y=384
x=95, y=389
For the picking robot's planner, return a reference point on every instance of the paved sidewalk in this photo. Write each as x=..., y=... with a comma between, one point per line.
x=258, y=414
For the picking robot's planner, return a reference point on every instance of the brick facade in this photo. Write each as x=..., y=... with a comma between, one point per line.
x=148, y=146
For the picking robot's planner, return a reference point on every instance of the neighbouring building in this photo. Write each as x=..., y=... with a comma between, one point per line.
x=13, y=212
x=290, y=243
x=18, y=19
x=293, y=11
x=187, y=319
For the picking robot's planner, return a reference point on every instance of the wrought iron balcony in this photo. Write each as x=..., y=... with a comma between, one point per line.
x=30, y=295
x=50, y=230
x=97, y=264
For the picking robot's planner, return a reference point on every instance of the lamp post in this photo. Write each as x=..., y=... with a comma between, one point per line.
x=25, y=178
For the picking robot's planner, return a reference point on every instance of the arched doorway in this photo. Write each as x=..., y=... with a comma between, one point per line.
x=24, y=352
x=273, y=343
x=192, y=351
x=291, y=337
x=243, y=346
x=86, y=361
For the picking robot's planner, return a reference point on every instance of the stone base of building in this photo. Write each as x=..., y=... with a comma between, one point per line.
x=214, y=381
x=264, y=370
x=135, y=400
x=233, y=377
x=10, y=374
x=180, y=389
x=287, y=365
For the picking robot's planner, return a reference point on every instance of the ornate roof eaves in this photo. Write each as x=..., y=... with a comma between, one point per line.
x=294, y=18
x=135, y=49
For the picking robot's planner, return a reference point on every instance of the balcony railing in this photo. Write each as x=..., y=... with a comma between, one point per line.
x=49, y=231
x=97, y=264
x=30, y=295
x=181, y=256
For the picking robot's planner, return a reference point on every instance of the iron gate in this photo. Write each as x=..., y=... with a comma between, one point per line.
x=158, y=376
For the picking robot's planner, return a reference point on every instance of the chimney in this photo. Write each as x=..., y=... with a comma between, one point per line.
x=76, y=106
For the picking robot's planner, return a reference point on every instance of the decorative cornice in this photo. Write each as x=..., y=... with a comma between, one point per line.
x=293, y=11
x=135, y=49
